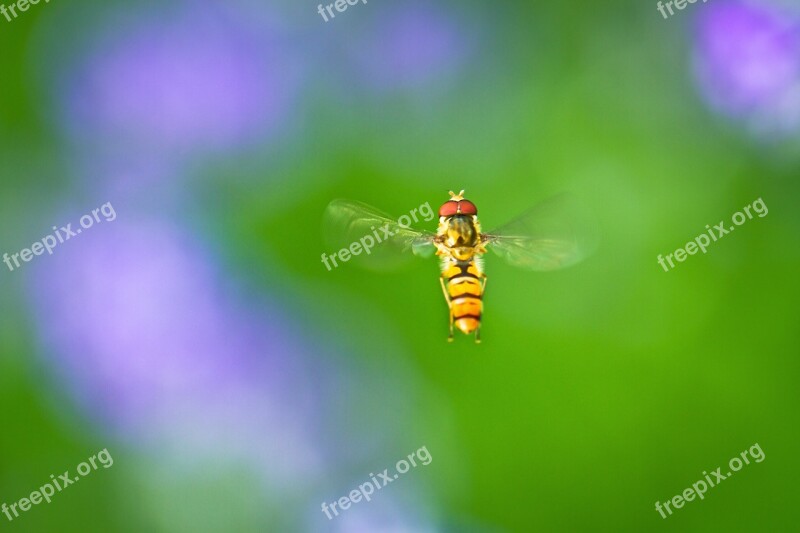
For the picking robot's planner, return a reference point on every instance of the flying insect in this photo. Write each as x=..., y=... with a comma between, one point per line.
x=550, y=236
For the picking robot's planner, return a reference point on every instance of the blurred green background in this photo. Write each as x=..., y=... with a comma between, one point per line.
x=597, y=391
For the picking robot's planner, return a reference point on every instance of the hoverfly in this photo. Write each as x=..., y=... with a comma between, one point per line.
x=550, y=236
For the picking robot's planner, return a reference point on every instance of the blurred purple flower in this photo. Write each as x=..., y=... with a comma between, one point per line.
x=409, y=45
x=185, y=78
x=402, y=512
x=747, y=59
x=141, y=332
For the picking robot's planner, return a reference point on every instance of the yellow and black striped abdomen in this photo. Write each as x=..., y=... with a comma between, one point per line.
x=464, y=285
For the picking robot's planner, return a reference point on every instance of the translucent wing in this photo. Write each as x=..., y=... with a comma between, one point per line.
x=554, y=234
x=382, y=241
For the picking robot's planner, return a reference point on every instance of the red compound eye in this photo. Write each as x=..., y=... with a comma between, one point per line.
x=468, y=208
x=448, y=209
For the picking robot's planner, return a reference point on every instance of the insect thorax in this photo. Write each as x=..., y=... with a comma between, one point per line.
x=459, y=236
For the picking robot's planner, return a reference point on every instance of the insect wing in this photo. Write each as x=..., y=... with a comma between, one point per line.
x=552, y=235
x=377, y=236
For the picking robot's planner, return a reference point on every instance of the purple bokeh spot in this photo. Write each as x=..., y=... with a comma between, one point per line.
x=410, y=45
x=144, y=336
x=183, y=80
x=748, y=59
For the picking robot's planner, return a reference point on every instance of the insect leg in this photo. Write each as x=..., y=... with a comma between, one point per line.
x=444, y=290
x=449, y=306
x=450, y=337
x=483, y=291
